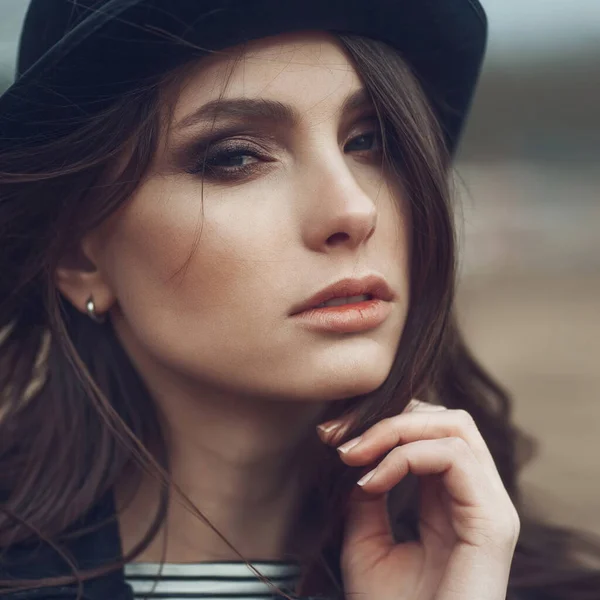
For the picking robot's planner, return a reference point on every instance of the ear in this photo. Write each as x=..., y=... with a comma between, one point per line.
x=79, y=276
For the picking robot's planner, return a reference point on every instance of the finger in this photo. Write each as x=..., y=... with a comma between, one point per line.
x=419, y=425
x=480, y=512
x=450, y=458
x=332, y=432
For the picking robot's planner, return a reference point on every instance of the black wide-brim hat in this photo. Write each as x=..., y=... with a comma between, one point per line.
x=76, y=56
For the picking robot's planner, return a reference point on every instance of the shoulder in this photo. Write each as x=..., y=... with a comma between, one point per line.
x=93, y=542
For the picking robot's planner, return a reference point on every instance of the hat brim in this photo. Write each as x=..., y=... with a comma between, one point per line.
x=130, y=41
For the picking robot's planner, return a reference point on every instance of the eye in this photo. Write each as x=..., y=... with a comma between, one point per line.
x=229, y=160
x=366, y=142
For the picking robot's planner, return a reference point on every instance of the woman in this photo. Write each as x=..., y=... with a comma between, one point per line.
x=226, y=298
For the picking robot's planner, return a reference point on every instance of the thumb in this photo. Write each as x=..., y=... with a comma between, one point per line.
x=367, y=529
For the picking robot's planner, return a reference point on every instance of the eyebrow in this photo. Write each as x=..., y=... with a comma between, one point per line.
x=263, y=109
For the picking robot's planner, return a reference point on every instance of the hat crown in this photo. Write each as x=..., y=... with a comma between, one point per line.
x=78, y=56
x=47, y=22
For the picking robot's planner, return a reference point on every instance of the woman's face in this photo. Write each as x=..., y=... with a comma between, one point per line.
x=202, y=274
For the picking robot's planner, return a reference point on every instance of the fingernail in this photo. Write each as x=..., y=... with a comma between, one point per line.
x=344, y=448
x=365, y=478
x=328, y=428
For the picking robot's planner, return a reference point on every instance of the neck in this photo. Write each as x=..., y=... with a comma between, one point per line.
x=239, y=461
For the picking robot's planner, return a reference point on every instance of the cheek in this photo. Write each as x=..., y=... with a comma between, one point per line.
x=150, y=243
x=175, y=260
x=150, y=254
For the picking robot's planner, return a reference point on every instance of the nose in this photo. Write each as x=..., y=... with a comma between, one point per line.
x=340, y=214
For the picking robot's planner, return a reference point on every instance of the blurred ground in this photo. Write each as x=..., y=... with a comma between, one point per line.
x=529, y=302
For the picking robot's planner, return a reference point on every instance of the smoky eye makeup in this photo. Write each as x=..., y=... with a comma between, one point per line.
x=223, y=147
x=239, y=151
x=230, y=159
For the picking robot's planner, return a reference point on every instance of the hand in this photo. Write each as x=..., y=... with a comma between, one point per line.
x=468, y=525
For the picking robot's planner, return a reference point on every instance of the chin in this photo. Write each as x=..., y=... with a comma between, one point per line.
x=347, y=387
x=329, y=382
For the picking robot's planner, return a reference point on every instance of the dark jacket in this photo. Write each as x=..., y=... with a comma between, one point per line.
x=96, y=548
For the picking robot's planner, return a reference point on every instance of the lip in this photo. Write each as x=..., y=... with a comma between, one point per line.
x=375, y=286
x=347, y=318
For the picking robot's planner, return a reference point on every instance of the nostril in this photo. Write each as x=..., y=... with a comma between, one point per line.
x=337, y=238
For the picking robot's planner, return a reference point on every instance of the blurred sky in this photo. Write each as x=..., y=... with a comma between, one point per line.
x=520, y=30
x=541, y=26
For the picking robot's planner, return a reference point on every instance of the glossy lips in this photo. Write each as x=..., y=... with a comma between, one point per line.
x=347, y=318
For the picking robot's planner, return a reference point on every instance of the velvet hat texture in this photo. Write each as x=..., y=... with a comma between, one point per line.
x=76, y=56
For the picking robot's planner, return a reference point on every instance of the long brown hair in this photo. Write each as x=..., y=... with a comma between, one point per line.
x=74, y=414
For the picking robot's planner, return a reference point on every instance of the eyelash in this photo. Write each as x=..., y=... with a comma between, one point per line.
x=206, y=167
x=232, y=149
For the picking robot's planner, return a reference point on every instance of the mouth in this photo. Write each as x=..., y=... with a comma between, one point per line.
x=347, y=292
x=344, y=301
x=349, y=306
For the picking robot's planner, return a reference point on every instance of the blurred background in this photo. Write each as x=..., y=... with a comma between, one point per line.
x=528, y=195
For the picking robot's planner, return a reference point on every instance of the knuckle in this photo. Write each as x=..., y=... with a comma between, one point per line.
x=509, y=528
x=500, y=533
x=509, y=536
x=398, y=467
x=464, y=419
x=381, y=426
x=413, y=405
x=516, y=522
x=456, y=445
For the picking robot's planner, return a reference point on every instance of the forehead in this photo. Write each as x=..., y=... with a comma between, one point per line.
x=308, y=70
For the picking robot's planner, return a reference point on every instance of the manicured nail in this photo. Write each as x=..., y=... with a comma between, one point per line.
x=344, y=448
x=365, y=478
x=328, y=428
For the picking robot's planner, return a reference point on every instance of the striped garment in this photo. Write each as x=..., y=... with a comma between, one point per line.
x=231, y=580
